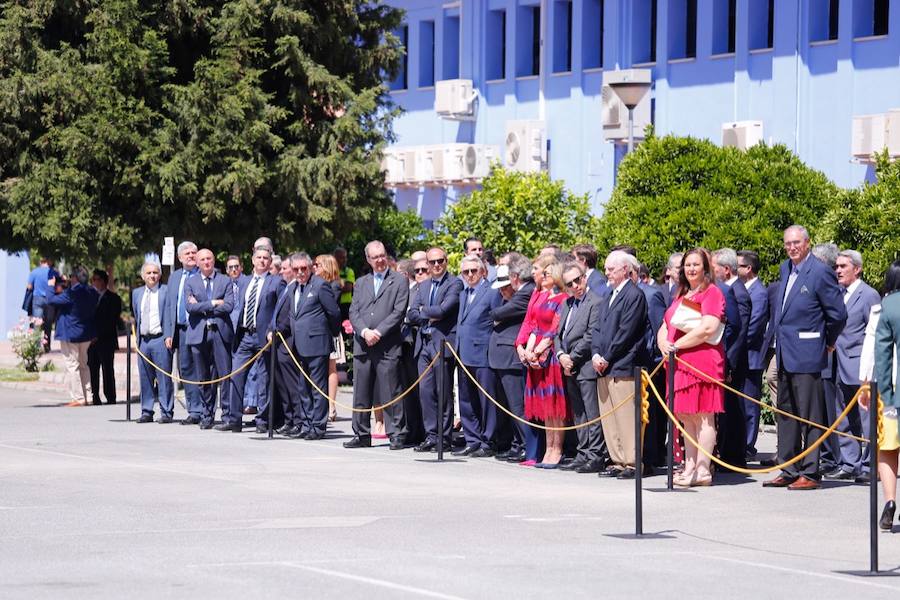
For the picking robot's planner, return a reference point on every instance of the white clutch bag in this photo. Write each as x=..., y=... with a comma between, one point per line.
x=687, y=318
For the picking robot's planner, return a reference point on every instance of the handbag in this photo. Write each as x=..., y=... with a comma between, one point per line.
x=339, y=355
x=687, y=317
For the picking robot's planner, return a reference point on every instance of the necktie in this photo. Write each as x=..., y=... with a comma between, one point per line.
x=145, y=313
x=613, y=297
x=296, y=298
x=250, y=313
x=790, y=283
x=434, y=287
x=208, y=283
x=182, y=309
x=573, y=306
x=379, y=278
x=471, y=292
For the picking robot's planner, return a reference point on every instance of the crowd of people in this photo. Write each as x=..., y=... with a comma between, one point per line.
x=554, y=340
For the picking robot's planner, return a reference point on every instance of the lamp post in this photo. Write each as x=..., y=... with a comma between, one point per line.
x=630, y=85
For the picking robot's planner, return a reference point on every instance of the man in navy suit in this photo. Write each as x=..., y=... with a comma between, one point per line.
x=256, y=298
x=314, y=319
x=473, y=335
x=153, y=325
x=101, y=354
x=809, y=317
x=748, y=271
x=287, y=378
x=435, y=311
x=75, y=329
x=655, y=434
x=586, y=256
x=859, y=298
x=209, y=335
x=176, y=339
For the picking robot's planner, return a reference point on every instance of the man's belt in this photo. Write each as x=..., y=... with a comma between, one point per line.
x=250, y=330
x=146, y=337
x=212, y=326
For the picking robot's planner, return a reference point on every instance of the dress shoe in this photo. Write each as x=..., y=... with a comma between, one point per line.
x=863, y=478
x=359, y=442
x=292, y=431
x=767, y=462
x=502, y=455
x=482, y=453
x=466, y=451
x=397, y=444
x=426, y=446
x=573, y=465
x=805, y=483
x=609, y=472
x=250, y=410
x=516, y=457
x=96, y=402
x=298, y=434
x=262, y=428
x=236, y=427
x=780, y=481
x=626, y=473
x=206, y=424
x=113, y=401
x=145, y=418
x=163, y=420
x=840, y=475
x=591, y=466
x=886, y=521
x=548, y=466
x=283, y=429
x=190, y=421
x=648, y=471
x=312, y=436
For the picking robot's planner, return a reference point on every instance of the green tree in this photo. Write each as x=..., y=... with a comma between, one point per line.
x=674, y=193
x=402, y=233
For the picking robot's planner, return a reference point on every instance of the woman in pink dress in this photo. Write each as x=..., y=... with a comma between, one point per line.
x=696, y=398
x=544, y=393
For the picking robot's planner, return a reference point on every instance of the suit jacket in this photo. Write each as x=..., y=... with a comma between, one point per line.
x=756, y=328
x=203, y=312
x=236, y=310
x=575, y=340
x=75, y=317
x=315, y=320
x=172, y=297
x=383, y=312
x=656, y=312
x=281, y=317
x=137, y=300
x=473, y=327
x=887, y=348
x=441, y=316
x=508, y=316
x=812, y=318
x=734, y=339
x=618, y=334
x=597, y=283
x=107, y=317
x=266, y=298
x=849, y=344
x=772, y=300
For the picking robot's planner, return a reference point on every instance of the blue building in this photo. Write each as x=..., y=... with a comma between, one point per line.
x=801, y=68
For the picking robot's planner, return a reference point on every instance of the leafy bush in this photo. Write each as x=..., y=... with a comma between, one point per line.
x=26, y=339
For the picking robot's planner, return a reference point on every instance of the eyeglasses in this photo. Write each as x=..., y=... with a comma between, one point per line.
x=233, y=267
x=437, y=261
x=574, y=282
x=470, y=271
x=743, y=266
x=301, y=269
x=789, y=243
x=421, y=270
x=378, y=257
x=547, y=274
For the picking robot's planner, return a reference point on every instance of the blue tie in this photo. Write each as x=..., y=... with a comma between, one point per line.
x=379, y=279
x=434, y=287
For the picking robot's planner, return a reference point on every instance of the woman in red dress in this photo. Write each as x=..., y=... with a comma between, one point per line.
x=544, y=392
x=696, y=398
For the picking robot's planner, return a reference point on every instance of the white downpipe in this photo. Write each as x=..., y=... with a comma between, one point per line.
x=542, y=70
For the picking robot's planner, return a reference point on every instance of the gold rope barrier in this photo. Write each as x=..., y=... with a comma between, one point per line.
x=829, y=430
x=773, y=408
x=351, y=408
x=210, y=382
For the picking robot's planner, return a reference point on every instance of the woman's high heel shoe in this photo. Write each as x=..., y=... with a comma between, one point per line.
x=887, y=515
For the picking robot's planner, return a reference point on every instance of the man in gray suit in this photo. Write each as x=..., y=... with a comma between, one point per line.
x=859, y=298
x=376, y=314
x=576, y=321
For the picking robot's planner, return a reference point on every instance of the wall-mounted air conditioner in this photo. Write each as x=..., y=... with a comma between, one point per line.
x=468, y=161
x=892, y=132
x=614, y=113
x=409, y=156
x=392, y=165
x=429, y=164
x=742, y=134
x=455, y=99
x=868, y=136
x=525, y=147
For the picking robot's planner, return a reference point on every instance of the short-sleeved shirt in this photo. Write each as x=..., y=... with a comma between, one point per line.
x=347, y=274
x=38, y=278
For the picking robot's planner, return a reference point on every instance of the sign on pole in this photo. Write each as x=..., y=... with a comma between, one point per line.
x=168, y=251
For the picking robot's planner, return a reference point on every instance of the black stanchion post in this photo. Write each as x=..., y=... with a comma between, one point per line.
x=272, y=386
x=873, y=479
x=439, y=379
x=670, y=400
x=128, y=377
x=638, y=455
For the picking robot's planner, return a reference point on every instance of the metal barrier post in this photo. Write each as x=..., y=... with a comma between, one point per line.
x=272, y=386
x=670, y=400
x=638, y=455
x=128, y=377
x=873, y=478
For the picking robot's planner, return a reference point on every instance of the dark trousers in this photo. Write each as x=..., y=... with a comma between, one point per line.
x=732, y=430
x=655, y=450
x=800, y=394
x=582, y=397
x=830, y=451
x=428, y=391
x=101, y=356
x=512, y=386
x=854, y=455
x=412, y=407
x=753, y=388
x=186, y=370
x=154, y=385
x=313, y=405
x=212, y=359
x=287, y=384
x=247, y=349
x=477, y=414
x=376, y=381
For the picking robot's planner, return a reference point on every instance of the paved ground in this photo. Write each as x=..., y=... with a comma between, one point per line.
x=93, y=507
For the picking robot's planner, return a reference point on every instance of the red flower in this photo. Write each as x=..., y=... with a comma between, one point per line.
x=348, y=327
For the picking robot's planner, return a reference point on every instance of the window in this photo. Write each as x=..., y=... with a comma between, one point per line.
x=870, y=17
x=450, y=54
x=592, y=34
x=683, y=29
x=724, y=26
x=562, y=36
x=528, y=41
x=643, y=19
x=823, y=20
x=426, y=53
x=495, y=45
x=399, y=82
x=762, y=24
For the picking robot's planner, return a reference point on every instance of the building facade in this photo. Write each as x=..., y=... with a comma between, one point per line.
x=803, y=68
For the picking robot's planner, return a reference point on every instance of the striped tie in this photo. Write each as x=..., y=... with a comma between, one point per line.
x=250, y=320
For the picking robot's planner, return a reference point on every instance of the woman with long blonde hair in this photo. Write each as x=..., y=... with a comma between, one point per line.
x=326, y=267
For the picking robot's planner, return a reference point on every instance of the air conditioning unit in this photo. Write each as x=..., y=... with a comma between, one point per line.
x=525, y=149
x=392, y=165
x=408, y=156
x=468, y=161
x=742, y=134
x=868, y=136
x=614, y=113
x=611, y=115
x=454, y=99
x=892, y=132
x=429, y=164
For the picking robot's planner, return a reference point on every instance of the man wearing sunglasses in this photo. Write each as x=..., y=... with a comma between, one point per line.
x=435, y=312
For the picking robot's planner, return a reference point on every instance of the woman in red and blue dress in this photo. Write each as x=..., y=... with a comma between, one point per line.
x=544, y=392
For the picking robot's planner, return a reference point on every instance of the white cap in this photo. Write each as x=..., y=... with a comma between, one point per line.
x=502, y=277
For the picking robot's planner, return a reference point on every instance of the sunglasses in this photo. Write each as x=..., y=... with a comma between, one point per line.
x=470, y=271
x=574, y=282
x=233, y=267
x=301, y=269
x=315, y=265
x=421, y=270
x=437, y=261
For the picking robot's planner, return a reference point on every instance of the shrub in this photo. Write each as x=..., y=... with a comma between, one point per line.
x=26, y=339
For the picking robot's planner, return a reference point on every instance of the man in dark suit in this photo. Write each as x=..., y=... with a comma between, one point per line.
x=830, y=451
x=256, y=297
x=618, y=346
x=859, y=298
x=151, y=321
x=473, y=335
x=176, y=309
x=586, y=256
x=809, y=317
x=315, y=318
x=435, y=311
x=573, y=349
x=655, y=434
x=376, y=313
x=101, y=354
x=287, y=378
x=75, y=329
x=748, y=271
x=516, y=287
x=670, y=287
x=209, y=335
x=418, y=272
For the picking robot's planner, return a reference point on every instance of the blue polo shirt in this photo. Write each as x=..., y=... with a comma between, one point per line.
x=38, y=278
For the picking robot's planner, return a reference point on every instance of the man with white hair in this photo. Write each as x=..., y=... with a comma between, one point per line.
x=176, y=339
x=671, y=284
x=152, y=323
